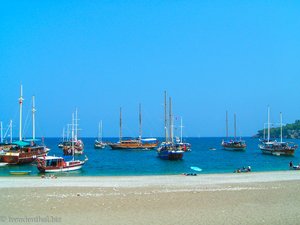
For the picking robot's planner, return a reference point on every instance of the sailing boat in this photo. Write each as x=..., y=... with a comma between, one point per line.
x=5, y=144
x=274, y=147
x=50, y=164
x=138, y=143
x=75, y=143
x=179, y=142
x=24, y=151
x=61, y=144
x=99, y=144
x=234, y=145
x=168, y=150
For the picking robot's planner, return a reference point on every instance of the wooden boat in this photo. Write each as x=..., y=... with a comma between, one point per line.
x=24, y=151
x=147, y=144
x=233, y=144
x=78, y=147
x=184, y=146
x=168, y=150
x=138, y=143
x=99, y=144
x=274, y=147
x=74, y=144
x=20, y=172
x=52, y=164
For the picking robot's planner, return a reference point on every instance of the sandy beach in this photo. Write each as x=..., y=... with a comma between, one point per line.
x=252, y=198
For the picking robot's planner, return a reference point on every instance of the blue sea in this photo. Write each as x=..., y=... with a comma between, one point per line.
x=107, y=162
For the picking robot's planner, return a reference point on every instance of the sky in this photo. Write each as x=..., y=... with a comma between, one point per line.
x=97, y=56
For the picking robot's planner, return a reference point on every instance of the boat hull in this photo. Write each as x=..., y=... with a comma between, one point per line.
x=15, y=157
x=48, y=169
x=132, y=146
x=234, y=148
x=289, y=152
x=170, y=155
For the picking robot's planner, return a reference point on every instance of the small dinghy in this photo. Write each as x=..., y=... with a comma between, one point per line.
x=3, y=164
x=20, y=172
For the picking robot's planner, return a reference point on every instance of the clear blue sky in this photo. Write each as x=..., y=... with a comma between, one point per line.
x=210, y=56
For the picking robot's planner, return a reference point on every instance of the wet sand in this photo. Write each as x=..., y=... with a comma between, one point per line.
x=250, y=198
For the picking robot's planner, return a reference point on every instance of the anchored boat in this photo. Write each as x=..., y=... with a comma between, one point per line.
x=274, y=147
x=233, y=144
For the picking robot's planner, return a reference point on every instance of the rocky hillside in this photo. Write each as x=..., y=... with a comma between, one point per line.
x=289, y=131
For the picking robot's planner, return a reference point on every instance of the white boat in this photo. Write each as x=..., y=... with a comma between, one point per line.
x=99, y=144
x=51, y=164
x=48, y=164
x=274, y=147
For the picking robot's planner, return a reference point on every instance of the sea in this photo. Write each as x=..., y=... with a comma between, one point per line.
x=107, y=162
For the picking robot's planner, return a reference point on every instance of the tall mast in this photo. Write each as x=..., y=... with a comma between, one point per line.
x=11, y=134
x=101, y=130
x=33, y=117
x=170, y=119
x=227, y=124
x=120, y=124
x=166, y=120
x=264, y=131
x=76, y=125
x=281, y=127
x=1, y=130
x=68, y=132
x=140, y=121
x=181, y=129
x=234, y=126
x=21, y=104
x=73, y=135
x=63, y=134
x=268, y=123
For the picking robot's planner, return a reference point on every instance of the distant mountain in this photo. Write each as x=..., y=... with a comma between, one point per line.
x=289, y=131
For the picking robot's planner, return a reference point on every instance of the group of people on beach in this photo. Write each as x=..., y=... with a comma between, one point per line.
x=243, y=170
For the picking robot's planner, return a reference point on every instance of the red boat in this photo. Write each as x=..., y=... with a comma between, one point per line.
x=23, y=152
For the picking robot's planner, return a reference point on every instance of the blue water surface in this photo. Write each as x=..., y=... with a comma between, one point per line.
x=107, y=162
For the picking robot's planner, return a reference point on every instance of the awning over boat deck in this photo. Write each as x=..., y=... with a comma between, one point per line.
x=21, y=143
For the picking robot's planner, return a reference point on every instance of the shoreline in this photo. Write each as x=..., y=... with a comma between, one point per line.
x=149, y=181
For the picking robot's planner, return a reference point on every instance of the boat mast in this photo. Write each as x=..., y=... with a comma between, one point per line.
x=227, y=124
x=1, y=130
x=281, y=127
x=76, y=125
x=68, y=132
x=33, y=118
x=120, y=124
x=140, y=121
x=63, y=134
x=268, y=123
x=234, y=126
x=21, y=104
x=264, y=131
x=166, y=120
x=11, y=134
x=101, y=131
x=171, y=119
x=73, y=136
x=181, y=129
